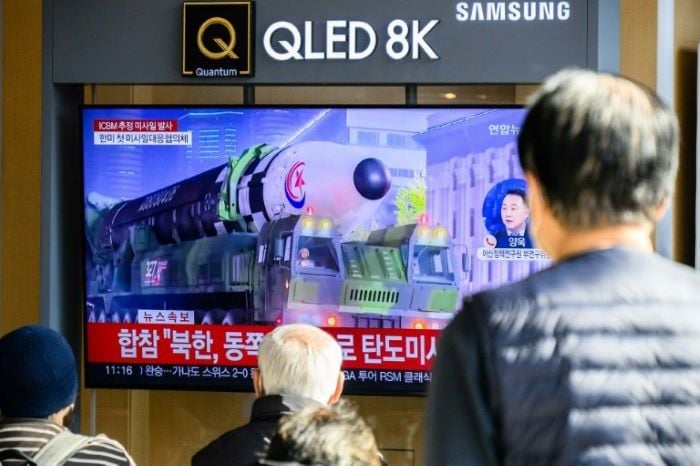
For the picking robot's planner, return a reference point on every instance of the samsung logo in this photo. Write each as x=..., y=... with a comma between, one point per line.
x=513, y=11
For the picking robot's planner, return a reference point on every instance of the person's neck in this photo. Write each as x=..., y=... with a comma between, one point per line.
x=575, y=242
x=60, y=417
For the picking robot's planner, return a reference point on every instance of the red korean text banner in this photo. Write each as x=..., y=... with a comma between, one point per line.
x=365, y=348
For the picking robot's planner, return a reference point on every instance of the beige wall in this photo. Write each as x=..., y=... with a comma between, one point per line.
x=166, y=427
x=637, y=60
x=21, y=163
x=638, y=40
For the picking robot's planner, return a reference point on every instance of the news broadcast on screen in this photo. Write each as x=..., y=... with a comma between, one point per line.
x=205, y=227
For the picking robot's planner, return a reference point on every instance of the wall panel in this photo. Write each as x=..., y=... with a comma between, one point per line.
x=21, y=164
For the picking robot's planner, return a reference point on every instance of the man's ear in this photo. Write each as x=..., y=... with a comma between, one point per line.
x=338, y=388
x=662, y=208
x=258, y=383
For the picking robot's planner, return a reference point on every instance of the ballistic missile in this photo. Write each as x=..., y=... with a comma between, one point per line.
x=341, y=182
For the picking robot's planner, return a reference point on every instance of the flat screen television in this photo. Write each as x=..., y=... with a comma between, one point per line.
x=207, y=226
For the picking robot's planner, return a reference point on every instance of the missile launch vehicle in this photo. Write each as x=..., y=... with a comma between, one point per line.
x=261, y=240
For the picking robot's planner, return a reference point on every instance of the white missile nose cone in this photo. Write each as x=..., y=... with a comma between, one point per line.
x=372, y=179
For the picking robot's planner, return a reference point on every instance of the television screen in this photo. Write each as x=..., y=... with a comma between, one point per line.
x=207, y=226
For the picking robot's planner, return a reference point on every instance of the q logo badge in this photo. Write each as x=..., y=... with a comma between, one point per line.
x=217, y=39
x=226, y=48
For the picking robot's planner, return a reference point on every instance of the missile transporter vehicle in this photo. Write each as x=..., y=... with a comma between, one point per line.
x=210, y=247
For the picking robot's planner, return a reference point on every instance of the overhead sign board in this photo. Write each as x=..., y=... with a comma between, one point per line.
x=330, y=42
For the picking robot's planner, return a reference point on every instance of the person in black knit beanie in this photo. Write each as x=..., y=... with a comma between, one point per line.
x=38, y=388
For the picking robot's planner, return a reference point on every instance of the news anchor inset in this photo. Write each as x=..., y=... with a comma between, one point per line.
x=507, y=215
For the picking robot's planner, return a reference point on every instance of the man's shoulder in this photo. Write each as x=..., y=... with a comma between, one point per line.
x=239, y=434
x=100, y=449
x=34, y=434
x=243, y=443
x=102, y=441
x=501, y=234
x=615, y=275
x=570, y=292
x=241, y=446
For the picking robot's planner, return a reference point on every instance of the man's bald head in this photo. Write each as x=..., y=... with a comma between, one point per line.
x=300, y=360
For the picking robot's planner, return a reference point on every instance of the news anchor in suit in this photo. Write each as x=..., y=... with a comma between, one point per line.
x=515, y=214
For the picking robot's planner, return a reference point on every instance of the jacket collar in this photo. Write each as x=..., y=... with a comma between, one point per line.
x=271, y=407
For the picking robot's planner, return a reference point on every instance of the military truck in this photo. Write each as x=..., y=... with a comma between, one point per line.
x=185, y=248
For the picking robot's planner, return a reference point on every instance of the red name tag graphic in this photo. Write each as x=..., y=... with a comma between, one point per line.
x=366, y=348
x=134, y=125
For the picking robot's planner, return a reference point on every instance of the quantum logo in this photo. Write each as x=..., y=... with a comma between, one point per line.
x=217, y=39
x=226, y=47
x=294, y=185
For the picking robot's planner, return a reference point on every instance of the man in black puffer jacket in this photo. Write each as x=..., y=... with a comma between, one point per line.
x=596, y=360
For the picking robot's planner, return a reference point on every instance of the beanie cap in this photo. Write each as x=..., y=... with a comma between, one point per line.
x=38, y=374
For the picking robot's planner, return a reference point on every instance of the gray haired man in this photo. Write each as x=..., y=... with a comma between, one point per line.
x=596, y=360
x=298, y=367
